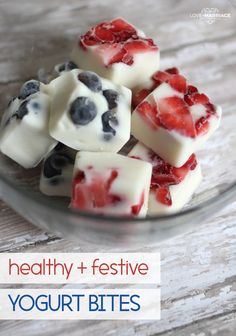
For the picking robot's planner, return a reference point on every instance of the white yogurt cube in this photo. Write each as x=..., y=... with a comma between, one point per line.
x=108, y=183
x=24, y=133
x=57, y=172
x=173, y=118
x=118, y=51
x=171, y=188
x=89, y=113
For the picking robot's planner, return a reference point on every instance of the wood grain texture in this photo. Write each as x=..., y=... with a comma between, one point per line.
x=198, y=268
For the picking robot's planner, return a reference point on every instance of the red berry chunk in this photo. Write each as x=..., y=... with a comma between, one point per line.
x=178, y=83
x=96, y=194
x=202, y=126
x=163, y=196
x=174, y=114
x=120, y=36
x=171, y=76
x=173, y=71
x=164, y=175
x=135, y=209
x=149, y=113
x=140, y=96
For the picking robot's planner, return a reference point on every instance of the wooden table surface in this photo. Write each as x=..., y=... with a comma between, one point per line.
x=198, y=268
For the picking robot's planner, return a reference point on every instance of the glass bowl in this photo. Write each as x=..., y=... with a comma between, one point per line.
x=208, y=67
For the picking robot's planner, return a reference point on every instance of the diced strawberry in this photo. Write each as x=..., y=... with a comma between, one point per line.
x=197, y=98
x=180, y=173
x=78, y=193
x=178, y=83
x=172, y=77
x=202, y=126
x=192, y=162
x=139, y=46
x=104, y=34
x=111, y=179
x=174, y=114
x=139, y=96
x=117, y=57
x=160, y=179
x=119, y=25
x=161, y=76
x=163, y=196
x=135, y=209
x=149, y=113
x=95, y=194
x=191, y=89
x=173, y=71
x=188, y=100
x=116, y=35
x=200, y=98
x=211, y=110
x=79, y=199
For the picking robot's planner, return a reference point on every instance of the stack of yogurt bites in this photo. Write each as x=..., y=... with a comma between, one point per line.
x=110, y=89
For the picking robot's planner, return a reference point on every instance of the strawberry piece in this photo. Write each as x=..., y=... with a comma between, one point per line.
x=191, y=89
x=139, y=46
x=192, y=162
x=211, y=110
x=78, y=194
x=135, y=209
x=118, y=25
x=164, y=175
x=118, y=35
x=140, y=96
x=174, y=114
x=200, y=98
x=103, y=34
x=149, y=113
x=118, y=57
x=160, y=179
x=202, y=126
x=178, y=82
x=96, y=193
x=111, y=179
x=161, y=76
x=172, y=77
x=173, y=71
x=163, y=196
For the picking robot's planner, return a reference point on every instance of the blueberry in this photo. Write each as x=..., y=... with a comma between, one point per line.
x=22, y=110
x=54, y=164
x=71, y=65
x=61, y=67
x=36, y=105
x=29, y=88
x=82, y=111
x=111, y=97
x=107, y=118
x=67, y=66
x=91, y=80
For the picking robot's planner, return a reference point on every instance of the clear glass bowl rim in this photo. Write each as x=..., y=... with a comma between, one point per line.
x=225, y=195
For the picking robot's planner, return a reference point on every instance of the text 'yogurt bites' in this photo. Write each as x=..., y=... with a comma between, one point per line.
x=57, y=172
x=118, y=51
x=174, y=120
x=108, y=183
x=171, y=188
x=89, y=112
x=24, y=127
